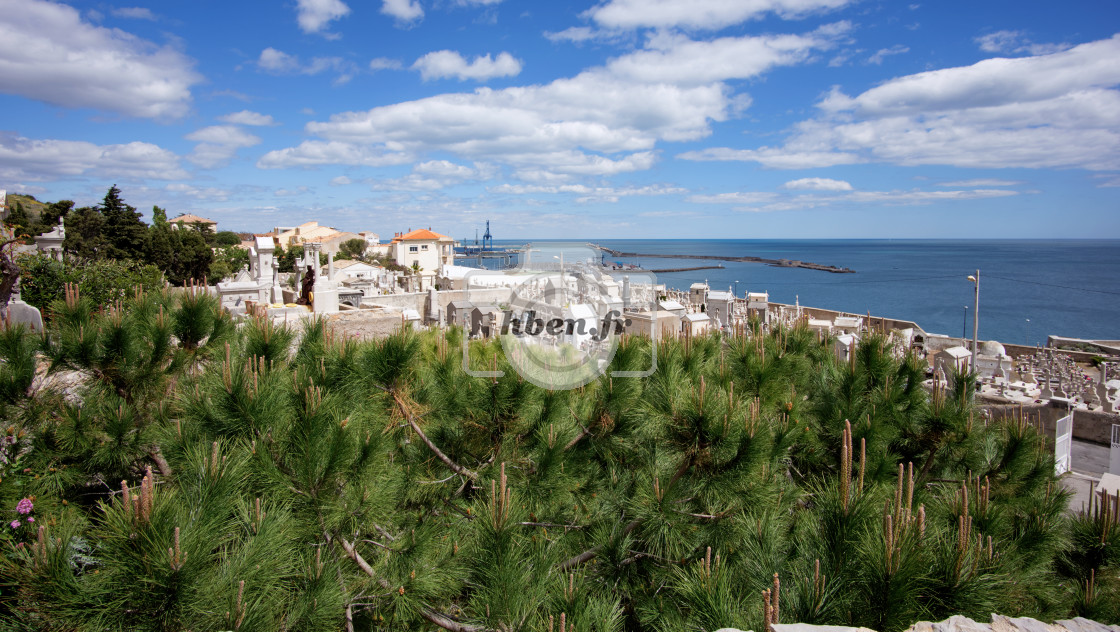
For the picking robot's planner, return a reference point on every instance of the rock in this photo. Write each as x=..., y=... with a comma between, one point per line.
x=1081, y=624
x=955, y=623
x=805, y=627
x=1001, y=623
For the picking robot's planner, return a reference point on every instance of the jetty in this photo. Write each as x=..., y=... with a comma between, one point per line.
x=660, y=270
x=777, y=263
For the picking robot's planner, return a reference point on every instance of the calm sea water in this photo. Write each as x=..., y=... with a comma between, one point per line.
x=1028, y=289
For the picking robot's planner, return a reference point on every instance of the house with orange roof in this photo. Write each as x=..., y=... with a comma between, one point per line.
x=194, y=220
x=424, y=250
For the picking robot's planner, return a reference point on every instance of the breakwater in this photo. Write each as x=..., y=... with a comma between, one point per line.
x=660, y=270
x=777, y=263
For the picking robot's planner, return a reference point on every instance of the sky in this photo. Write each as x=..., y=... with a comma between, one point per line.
x=615, y=119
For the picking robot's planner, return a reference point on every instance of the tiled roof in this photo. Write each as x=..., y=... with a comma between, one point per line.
x=187, y=218
x=421, y=234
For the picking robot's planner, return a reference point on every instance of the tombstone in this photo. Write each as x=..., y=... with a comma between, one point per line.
x=277, y=291
x=326, y=290
x=51, y=241
x=434, y=313
x=18, y=312
x=1046, y=392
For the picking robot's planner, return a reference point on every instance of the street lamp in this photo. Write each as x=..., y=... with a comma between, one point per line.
x=975, y=316
x=563, y=285
x=736, y=289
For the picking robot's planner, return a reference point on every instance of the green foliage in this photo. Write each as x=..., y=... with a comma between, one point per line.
x=353, y=249
x=123, y=231
x=227, y=238
x=227, y=261
x=84, y=233
x=17, y=219
x=297, y=481
x=289, y=258
x=42, y=279
x=182, y=254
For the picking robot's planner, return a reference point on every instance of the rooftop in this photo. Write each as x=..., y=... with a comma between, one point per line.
x=188, y=218
x=421, y=234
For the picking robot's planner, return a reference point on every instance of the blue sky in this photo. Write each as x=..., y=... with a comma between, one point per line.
x=618, y=119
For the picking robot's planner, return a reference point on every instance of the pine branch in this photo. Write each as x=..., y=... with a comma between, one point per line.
x=160, y=461
x=455, y=467
x=437, y=618
x=590, y=554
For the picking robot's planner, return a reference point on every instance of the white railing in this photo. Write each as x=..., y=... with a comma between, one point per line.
x=1063, y=444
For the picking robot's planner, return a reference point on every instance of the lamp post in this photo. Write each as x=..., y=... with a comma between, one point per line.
x=736, y=289
x=563, y=285
x=975, y=316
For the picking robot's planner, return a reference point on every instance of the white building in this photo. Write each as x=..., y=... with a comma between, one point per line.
x=356, y=269
x=428, y=250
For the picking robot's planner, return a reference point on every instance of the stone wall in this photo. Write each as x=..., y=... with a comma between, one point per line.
x=1094, y=426
x=419, y=300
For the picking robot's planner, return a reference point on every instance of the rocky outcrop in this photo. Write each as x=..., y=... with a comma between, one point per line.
x=958, y=623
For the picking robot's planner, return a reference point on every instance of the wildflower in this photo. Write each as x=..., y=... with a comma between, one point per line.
x=31, y=519
x=25, y=506
x=14, y=524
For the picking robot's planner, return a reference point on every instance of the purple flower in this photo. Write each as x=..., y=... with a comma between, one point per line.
x=25, y=506
x=15, y=524
x=30, y=519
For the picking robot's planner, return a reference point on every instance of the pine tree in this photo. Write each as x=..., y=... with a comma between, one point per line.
x=262, y=478
x=124, y=232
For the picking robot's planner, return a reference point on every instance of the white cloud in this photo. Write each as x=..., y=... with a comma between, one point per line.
x=585, y=194
x=774, y=157
x=818, y=184
x=1048, y=111
x=765, y=202
x=701, y=14
x=45, y=159
x=291, y=192
x=1015, y=42
x=736, y=197
x=883, y=53
x=990, y=82
x=247, y=117
x=48, y=53
x=280, y=63
x=403, y=10
x=572, y=34
x=134, y=13
x=981, y=182
x=313, y=153
x=339, y=181
x=441, y=64
x=604, y=121
x=434, y=175
x=314, y=15
x=384, y=63
x=677, y=59
x=218, y=144
x=211, y=194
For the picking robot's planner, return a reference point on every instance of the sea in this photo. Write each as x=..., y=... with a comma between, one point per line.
x=1029, y=289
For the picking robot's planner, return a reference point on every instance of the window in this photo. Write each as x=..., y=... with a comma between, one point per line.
x=424, y=247
x=412, y=249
